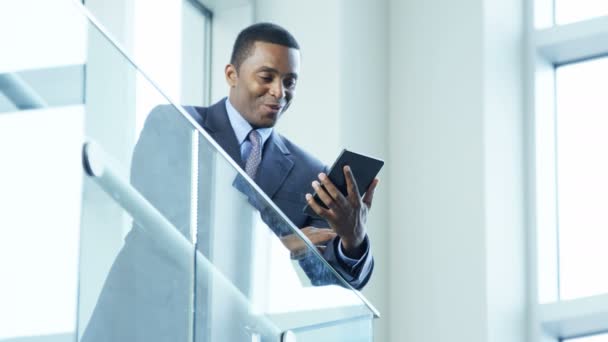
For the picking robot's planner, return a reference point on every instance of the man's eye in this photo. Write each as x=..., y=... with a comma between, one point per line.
x=290, y=83
x=266, y=78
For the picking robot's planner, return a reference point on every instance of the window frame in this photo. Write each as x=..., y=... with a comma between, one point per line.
x=207, y=13
x=549, y=46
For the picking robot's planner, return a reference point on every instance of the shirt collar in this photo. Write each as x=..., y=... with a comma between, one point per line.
x=241, y=127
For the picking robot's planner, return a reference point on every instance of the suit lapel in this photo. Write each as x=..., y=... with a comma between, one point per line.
x=276, y=165
x=216, y=122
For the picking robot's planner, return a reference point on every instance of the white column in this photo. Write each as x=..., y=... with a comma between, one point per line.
x=456, y=224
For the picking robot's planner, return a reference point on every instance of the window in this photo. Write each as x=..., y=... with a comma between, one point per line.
x=582, y=177
x=180, y=67
x=569, y=189
x=594, y=338
x=569, y=11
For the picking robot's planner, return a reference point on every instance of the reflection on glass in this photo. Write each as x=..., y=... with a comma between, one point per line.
x=569, y=11
x=582, y=164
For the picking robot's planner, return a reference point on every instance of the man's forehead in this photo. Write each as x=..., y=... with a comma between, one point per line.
x=273, y=51
x=259, y=43
x=273, y=57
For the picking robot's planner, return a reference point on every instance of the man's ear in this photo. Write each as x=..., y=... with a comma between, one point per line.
x=231, y=75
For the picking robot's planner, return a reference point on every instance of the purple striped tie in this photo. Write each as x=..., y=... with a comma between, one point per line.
x=255, y=155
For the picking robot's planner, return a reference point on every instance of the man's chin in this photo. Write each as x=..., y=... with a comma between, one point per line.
x=266, y=124
x=267, y=120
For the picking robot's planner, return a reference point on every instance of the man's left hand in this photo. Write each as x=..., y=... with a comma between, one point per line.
x=347, y=216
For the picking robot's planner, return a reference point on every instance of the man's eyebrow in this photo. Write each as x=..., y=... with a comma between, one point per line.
x=267, y=69
x=275, y=71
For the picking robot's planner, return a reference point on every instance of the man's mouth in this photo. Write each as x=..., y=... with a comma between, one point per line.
x=274, y=107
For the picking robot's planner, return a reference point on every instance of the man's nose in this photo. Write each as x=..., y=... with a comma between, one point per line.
x=277, y=90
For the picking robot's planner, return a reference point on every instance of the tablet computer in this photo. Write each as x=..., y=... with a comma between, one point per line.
x=363, y=167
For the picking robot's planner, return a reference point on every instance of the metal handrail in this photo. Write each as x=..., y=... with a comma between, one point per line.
x=100, y=168
x=21, y=94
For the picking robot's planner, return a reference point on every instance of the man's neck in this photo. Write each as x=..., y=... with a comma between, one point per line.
x=240, y=126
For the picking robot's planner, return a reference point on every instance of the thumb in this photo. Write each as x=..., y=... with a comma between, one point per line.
x=369, y=194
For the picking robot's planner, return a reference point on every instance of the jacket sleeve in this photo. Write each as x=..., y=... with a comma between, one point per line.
x=356, y=275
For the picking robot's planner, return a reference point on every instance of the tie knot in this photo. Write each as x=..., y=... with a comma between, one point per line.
x=255, y=138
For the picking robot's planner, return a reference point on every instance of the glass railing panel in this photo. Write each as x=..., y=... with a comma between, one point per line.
x=139, y=223
x=244, y=272
x=351, y=330
x=137, y=257
x=245, y=236
x=167, y=238
x=147, y=292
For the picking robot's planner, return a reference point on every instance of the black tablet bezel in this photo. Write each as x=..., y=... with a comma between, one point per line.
x=364, y=168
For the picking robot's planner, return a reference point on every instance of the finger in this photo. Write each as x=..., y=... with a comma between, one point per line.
x=308, y=230
x=292, y=243
x=324, y=213
x=322, y=236
x=324, y=196
x=369, y=194
x=351, y=184
x=312, y=230
x=318, y=234
x=331, y=189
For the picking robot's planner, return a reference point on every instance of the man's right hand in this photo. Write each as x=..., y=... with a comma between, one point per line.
x=318, y=236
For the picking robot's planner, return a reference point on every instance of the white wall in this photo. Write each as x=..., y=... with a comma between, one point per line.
x=312, y=119
x=227, y=23
x=436, y=142
x=457, y=233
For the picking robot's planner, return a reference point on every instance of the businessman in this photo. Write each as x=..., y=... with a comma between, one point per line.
x=145, y=294
x=262, y=78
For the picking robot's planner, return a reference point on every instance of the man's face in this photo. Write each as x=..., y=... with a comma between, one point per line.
x=263, y=87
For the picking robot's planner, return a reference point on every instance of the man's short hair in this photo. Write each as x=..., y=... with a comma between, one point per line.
x=261, y=32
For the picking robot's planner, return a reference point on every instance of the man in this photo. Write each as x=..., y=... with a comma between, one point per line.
x=262, y=77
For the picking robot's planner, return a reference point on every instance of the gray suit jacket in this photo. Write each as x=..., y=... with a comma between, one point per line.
x=148, y=288
x=284, y=175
